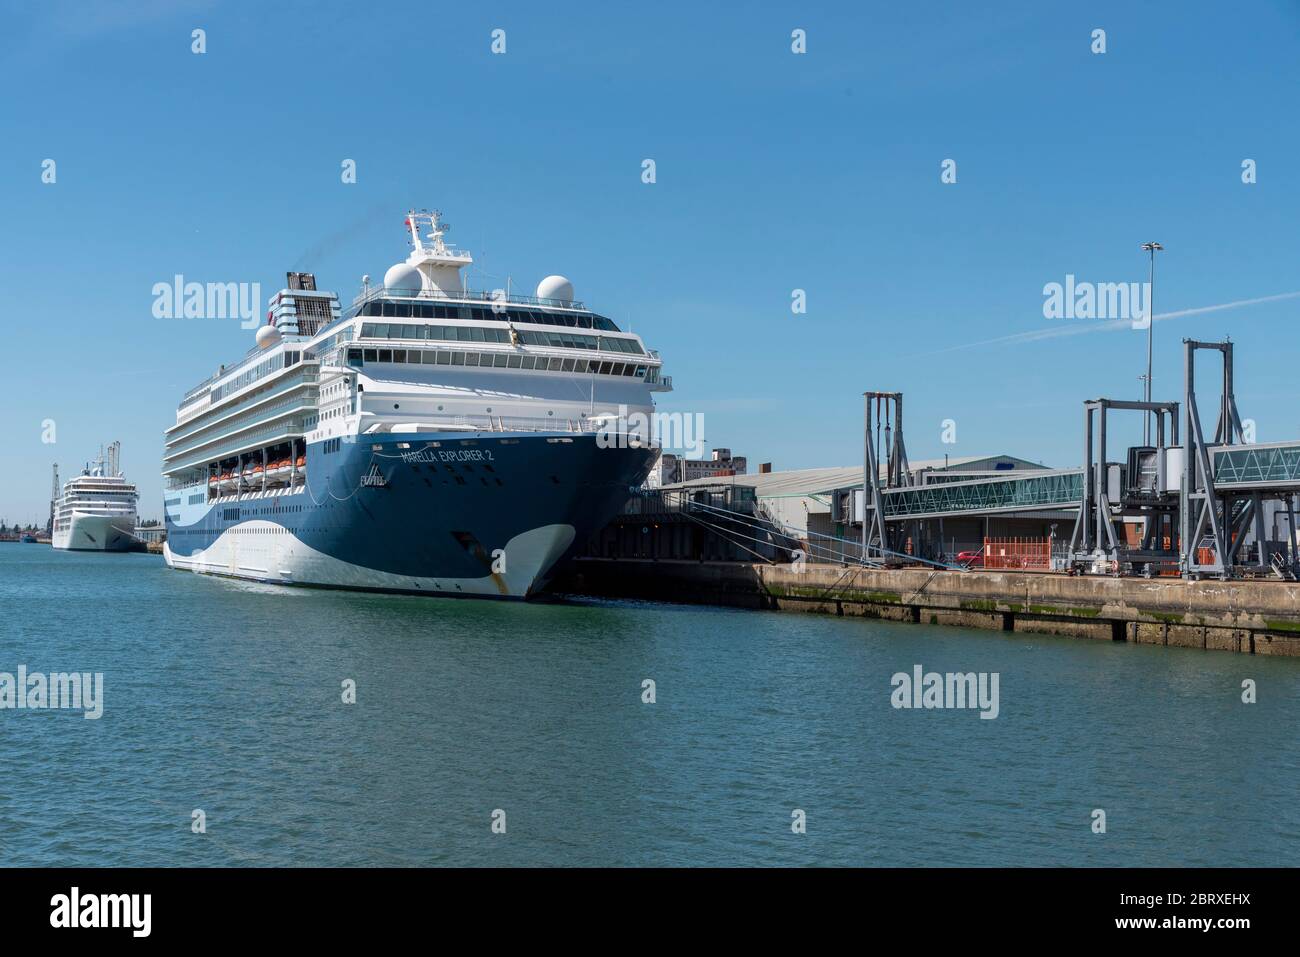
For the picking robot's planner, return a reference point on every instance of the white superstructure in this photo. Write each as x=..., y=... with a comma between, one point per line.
x=97, y=510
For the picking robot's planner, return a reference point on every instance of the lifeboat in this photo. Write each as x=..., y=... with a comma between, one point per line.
x=302, y=461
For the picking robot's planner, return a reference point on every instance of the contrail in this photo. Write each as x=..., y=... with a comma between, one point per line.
x=1080, y=328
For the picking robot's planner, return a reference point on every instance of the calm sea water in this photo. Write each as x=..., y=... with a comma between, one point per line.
x=226, y=697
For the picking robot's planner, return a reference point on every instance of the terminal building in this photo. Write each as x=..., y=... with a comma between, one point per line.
x=819, y=509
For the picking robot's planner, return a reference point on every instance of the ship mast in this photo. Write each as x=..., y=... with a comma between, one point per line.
x=54, y=499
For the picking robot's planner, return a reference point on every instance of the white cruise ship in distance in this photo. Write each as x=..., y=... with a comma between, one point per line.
x=96, y=511
x=427, y=439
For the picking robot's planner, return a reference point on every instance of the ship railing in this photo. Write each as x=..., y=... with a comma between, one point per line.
x=465, y=295
x=580, y=425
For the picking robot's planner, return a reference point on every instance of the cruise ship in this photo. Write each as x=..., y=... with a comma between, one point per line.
x=426, y=439
x=96, y=511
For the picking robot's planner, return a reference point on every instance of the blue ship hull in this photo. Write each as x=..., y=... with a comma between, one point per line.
x=482, y=514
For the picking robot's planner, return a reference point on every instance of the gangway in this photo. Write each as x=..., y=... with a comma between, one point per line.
x=1038, y=489
x=1197, y=499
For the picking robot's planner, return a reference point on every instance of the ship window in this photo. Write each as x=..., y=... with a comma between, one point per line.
x=390, y=309
x=399, y=355
x=499, y=361
x=514, y=361
x=385, y=355
x=354, y=357
x=529, y=362
x=458, y=358
x=604, y=368
x=403, y=310
x=370, y=355
x=444, y=358
x=568, y=365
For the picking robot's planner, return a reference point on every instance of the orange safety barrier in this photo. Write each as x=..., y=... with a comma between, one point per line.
x=1205, y=553
x=1017, y=553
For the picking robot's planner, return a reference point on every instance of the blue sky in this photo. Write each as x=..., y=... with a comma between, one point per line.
x=775, y=171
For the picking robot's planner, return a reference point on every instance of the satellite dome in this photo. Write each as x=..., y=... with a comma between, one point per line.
x=403, y=277
x=555, y=287
x=267, y=336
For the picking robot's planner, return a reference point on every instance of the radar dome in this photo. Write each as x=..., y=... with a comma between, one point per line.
x=555, y=287
x=405, y=277
x=267, y=336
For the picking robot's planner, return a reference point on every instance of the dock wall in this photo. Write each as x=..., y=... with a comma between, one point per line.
x=1249, y=617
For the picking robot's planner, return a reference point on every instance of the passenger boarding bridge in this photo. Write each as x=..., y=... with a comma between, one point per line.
x=1198, y=500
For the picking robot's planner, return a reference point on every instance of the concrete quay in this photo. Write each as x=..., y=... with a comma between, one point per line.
x=1248, y=617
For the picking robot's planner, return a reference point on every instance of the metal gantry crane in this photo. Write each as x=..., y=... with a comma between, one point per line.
x=888, y=443
x=1145, y=487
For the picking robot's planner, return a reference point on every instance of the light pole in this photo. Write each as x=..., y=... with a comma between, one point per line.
x=1152, y=248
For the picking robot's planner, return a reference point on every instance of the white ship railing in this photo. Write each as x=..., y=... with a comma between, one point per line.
x=465, y=295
